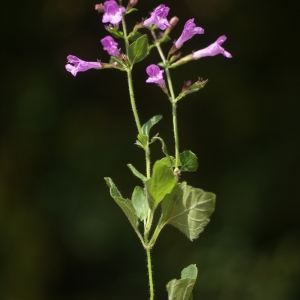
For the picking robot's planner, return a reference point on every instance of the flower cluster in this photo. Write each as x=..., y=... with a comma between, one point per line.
x=113, y=14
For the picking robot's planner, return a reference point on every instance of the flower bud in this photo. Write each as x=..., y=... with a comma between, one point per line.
x=186, y=86
x=199, y=84
x=173, y=22
x=99, y=8
x=174, y=57
x=131, y=4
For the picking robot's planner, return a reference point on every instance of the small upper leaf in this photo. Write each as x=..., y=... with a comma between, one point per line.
x=188, y=161
x=137, y=173
x=114, y=32
x=130, y=11
x=133, y=36
x=161, y=183
x=188, y=209
x=138, y=50
x=148, y=125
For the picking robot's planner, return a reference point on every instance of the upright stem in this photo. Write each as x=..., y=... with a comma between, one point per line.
x=173, y=102
x=132, y=101
x=150, y=273
x=174, y=113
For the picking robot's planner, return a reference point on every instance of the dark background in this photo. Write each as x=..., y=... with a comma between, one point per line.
x=63, y=237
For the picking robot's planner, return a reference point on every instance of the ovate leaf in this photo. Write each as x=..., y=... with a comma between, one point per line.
x=140, y=203
x=125, y=204
x=138, y=50
x=161, y=183
x=148, y=125
x=188, y=211
x=182, y=289
x=189, y=161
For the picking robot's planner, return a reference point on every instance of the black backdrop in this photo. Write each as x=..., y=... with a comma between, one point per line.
x=63, y=237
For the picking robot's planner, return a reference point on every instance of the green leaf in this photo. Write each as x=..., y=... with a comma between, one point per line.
x=188, y=210
x=169, y=161
x=138, y=50
x=125, y=204
x=114, y=32
x=130, y=10
x=114, y=59
x=189, y=161
x=182, y=289
x=140, y=203
x=148, y=125
x=134, y=35
x=114, y=192
x=137, y=173
x=161, y=183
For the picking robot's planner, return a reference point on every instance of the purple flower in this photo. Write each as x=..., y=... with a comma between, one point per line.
x=213, y=49
x=113, y=13
x=75, y=65
x=188, y=32
x=155, y=75
x=110, y=46
x=159, y=17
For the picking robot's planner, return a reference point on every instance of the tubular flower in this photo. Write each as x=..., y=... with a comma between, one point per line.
x=213, y=49
x=112, y=12
x=110, y=46
x=188, y=32
x=155, y=75
x=159, y=17
x=76, y=65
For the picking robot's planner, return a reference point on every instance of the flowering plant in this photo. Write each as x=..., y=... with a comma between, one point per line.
x=183, y=206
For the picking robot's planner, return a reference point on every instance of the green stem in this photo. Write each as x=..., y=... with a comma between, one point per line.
x=125, y=34
x=148, y=163
x=173, y=101
x=150, y=273
x=132, y=101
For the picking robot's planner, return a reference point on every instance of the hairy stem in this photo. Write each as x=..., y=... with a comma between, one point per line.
x=150, y=273
x=132, y=101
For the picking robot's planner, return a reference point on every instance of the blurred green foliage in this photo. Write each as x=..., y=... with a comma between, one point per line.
x=63, y=237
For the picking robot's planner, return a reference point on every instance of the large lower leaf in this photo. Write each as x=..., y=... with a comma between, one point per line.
x=161, y=183
x=125, y=204
x=182, y=289
x=188, y=209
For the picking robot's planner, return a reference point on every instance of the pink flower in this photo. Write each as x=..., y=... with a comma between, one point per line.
x=213, y=49
x=113, y=13
x=76, y=65
x=110, y=46
x=188, y=32
x=155, y=75
x=159, y=17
